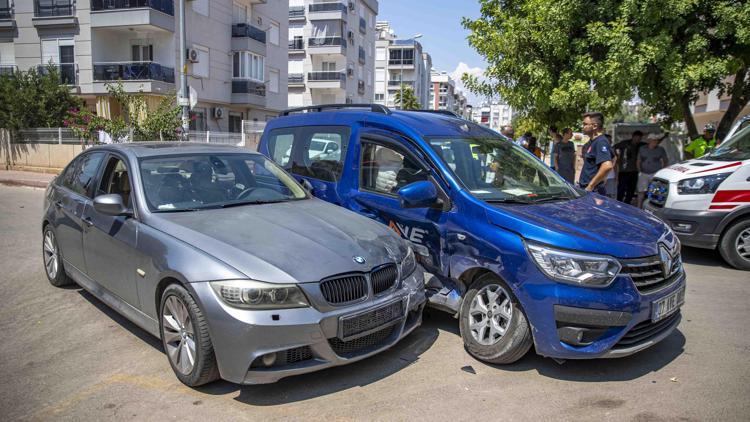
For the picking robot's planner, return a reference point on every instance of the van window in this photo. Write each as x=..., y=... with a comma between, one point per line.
x=386, y=170
x=312, y=151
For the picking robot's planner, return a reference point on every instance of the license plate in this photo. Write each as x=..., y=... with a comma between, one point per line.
x=354, y=325
x=667, y=305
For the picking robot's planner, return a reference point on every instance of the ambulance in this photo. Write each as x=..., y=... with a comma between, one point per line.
x=706, y=201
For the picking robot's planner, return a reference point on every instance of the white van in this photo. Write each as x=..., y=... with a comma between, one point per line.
x=706, y=201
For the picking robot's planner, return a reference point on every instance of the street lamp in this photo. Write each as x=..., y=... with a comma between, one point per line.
x=401, y=78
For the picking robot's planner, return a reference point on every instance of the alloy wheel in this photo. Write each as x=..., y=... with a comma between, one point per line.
x=742, y=244
x=51, y=259
x=489, y=314
x=179, y=335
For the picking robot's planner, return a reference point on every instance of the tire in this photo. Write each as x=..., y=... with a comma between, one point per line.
x=736, y=238
x=52, y=260
x=202, y=369
x=513, y=343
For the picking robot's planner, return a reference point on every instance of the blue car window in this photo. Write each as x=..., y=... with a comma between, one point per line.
x=312, y=151
x=385, y=170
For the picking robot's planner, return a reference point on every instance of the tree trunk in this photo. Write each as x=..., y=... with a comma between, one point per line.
x=687, y=115
x=740, y=95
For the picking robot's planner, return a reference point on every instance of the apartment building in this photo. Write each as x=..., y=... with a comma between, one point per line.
x=331, y=51
x=494, y=115
x=710, y=107
x=236, y=49
x=400, y=62
x=442, y=94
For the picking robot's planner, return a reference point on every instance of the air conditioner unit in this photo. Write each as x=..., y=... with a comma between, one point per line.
x=193, y=55
x=217, y=112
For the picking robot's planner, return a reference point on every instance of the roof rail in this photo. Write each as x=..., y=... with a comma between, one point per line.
x=375, y=108
x=446, y=112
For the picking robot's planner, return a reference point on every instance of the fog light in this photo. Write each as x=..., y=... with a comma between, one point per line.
x=682, y=227
x=269, y=359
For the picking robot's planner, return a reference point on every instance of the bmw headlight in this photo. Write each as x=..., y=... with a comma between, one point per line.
x=573, y=267
x=408, y=264
x=251, y=294
x=701, y=185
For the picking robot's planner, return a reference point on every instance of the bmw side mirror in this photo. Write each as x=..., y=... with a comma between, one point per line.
x=307, y=185
x=420, y=194
x=111, y=204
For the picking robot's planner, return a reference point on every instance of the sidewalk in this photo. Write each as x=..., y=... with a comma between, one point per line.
x=25, y=178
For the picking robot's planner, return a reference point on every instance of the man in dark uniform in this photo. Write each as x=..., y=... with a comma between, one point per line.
x=627, y=171
x=597, y=154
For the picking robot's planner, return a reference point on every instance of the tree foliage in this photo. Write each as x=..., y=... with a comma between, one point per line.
x=410, y=100
x=553, y=59
x=30, y=99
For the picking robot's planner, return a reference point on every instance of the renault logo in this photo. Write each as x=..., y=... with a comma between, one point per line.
x=359, y=260
x=666, y=260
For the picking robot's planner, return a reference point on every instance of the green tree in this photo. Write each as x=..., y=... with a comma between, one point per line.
x=410, y=100
x=552, y=60
x=30, y=99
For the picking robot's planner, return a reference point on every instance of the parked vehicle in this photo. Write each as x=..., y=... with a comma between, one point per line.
x=519, y=255
x=228, y=260
x=706, y=201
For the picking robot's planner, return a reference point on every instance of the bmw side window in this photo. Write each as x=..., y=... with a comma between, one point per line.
x=386, y=170
x=115, y=180
x=66, y=178
x=81, y=179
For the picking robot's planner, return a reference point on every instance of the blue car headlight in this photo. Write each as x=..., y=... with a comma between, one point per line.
x=575, y=268
x=701, y=185
x=251, y=294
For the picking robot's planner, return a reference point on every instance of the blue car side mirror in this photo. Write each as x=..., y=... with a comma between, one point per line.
x=420, y=194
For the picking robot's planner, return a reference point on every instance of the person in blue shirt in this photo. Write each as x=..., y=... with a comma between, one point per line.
x=597, y=154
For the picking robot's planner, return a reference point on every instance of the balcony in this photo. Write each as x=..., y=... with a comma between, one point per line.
x=296, y=13
x=7, y=23
x=296, y=79
x=246, y=91
x=68, y=72
x=326, y=79
x=402, y=63
x=396, y=85
x=246, y=37
x=149, y=14
x=326, y=11
x=362, y=25
x=135, y=76
x=326, y=45
x=361, y=55
x=361, y=86
x=54, y=14
x=296, y=45
x=8, y=69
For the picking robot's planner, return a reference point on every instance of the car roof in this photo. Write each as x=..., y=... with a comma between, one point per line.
x=425, y=124
x=153, y=149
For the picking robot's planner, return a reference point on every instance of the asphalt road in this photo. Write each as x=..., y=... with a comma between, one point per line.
x=66, y=356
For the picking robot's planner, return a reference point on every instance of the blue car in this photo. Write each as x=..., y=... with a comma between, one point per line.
x=517, y=254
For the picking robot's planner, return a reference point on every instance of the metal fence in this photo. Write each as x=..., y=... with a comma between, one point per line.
x=213, y=137
x=55, y=135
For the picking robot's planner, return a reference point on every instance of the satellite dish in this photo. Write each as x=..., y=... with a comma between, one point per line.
x=193, y=97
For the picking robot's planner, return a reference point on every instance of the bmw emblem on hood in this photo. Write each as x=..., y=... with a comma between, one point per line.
x=359, y=260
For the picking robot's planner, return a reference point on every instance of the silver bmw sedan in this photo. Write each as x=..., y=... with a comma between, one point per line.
x=225, y=257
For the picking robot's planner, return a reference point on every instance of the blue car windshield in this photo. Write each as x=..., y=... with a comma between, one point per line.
x=495, y=170
x=203, y=181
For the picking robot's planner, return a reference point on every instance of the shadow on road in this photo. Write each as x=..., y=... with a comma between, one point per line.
x=705, y=257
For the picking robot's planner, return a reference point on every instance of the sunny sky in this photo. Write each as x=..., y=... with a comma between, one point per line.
x=439, y=22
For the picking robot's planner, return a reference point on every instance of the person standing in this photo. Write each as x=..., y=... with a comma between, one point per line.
x=555, y=138
x=597, y=154
x=508, y=132
x=651, y=158
x=523, y=141
x=627, y=170
x=697, y=148
x=565, y=156
x=533, y=148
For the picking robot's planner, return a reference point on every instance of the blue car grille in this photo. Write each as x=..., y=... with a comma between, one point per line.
x=658, y=190
x=384, y=278
x=645, y=331
x=648, y=274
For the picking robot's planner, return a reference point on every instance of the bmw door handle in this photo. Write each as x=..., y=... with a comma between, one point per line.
x=88, y=221
x=57, y=204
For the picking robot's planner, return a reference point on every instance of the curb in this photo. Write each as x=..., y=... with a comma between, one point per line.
x=28, y=183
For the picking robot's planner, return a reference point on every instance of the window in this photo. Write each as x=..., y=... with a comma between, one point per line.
x=246, y=65
x=273, y=33
x=239, y=13
x=115, y=180
x=198, y=119
x=379, y=97
x=328, y=66
x=80, y=174
x=386, y=170
x=273, y=83
x=141, y=51
x=380, y=53
x=235, y=122
x=200, y=68
x=312, y=151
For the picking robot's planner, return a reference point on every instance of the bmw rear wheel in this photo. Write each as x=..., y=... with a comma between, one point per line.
x=53, y=265
x=493, y=326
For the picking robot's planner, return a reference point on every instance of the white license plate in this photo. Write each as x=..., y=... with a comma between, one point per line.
x=667, y=305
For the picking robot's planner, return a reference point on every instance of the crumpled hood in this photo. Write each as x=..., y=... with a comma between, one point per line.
x=588, y=224
x=288, y=242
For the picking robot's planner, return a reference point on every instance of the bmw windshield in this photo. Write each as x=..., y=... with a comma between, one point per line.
x=203, y=181
x=495, y=170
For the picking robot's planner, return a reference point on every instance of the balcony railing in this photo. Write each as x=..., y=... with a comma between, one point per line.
x=296, y=78
x=68, y=72
x=361, y=55
x=326, y=42
x=326, y=76
x=362, y=25
x=298, y=44
x=408, y=62
x=297, y=12
x=328, y=7
x=164, y=6
x=6, y=12
x=8, y=69
x=246, y=86
x=56, y=8
x=245, y=30
x=133, y=71
x=398, y=83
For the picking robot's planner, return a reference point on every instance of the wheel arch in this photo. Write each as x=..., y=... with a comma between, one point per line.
x=732, y=218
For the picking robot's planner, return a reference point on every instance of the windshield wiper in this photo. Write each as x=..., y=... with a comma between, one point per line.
x=552, y=198
x=238, y=204
x=508, y=201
